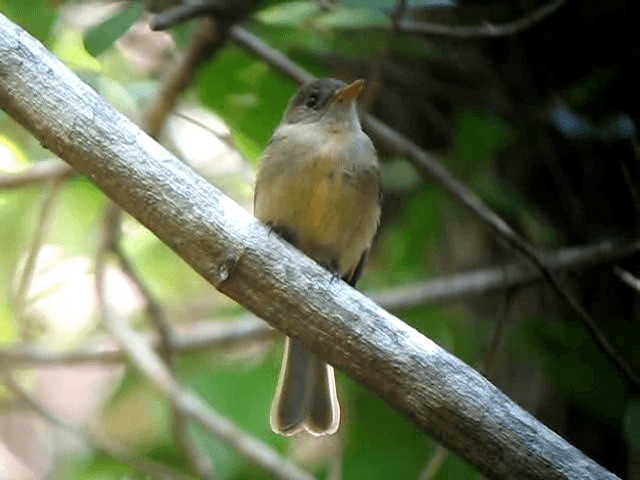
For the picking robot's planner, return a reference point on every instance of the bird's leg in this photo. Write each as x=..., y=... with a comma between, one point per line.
x=333, y=270
x=284, y=233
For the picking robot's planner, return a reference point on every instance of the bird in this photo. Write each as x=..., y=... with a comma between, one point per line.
x=318, y=186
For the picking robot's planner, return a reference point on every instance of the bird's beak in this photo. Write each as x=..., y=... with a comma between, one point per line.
x=350, y=92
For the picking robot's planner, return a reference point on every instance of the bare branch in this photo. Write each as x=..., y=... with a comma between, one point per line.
x=204, y=42
x=627, y=278
x=235, y=252
x=485, y=30
x=144, y=466
x=491, y=279
x=496, y=336
x=197, y=460
x=43, y=225
x=206, y=336
x=187, y=10
x=273, y=57
x=38, y=173
x=374, y=80
x=431, y=168
x=434, y=463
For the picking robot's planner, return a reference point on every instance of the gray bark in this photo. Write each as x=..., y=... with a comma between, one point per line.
x=227, y=246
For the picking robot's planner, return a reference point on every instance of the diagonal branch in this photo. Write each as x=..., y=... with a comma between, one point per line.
x=429, y=166
x=173, y=84
x=627, y=278
x=198, y=462
x=235, y=253
x=43, y=225
x=226, y=12
x=143, y=465
x=150, y=364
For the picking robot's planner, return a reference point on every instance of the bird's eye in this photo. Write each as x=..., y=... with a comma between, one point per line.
x=312, y=100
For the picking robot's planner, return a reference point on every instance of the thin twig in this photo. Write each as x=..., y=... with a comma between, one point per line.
x=633, y=188
x=36, y=174
x=278, y=60
x=154, y=310
x=627, y=278
x=428, y=166
x=226, y=139
x=203, y=337
x=173, y=84
x=435, y=462
x=199, y=463
x=202, y=45
x=146, y=467
x=143, y=357
x=485, y=30
x=496, y=336
x=43, y=225
x=190, y=9
x=374, y=81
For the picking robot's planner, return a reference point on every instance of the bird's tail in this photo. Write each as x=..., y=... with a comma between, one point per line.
x=306, y=395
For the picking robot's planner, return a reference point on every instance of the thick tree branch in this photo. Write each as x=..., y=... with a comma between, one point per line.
x=212, y=335
x=235, y=252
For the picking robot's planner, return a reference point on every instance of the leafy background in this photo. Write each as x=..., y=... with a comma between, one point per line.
x=542, y=125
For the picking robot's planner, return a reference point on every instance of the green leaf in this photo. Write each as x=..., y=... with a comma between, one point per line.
x=377, y=5
x=100, y=37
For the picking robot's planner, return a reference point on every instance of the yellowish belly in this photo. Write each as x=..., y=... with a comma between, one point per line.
x=332, y=217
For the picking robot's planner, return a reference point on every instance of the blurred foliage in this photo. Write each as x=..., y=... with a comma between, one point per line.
x=434, y=90
x=102, y=36
x=35, y=16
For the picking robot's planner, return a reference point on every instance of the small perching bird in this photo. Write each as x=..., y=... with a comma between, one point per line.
x=319, y=188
